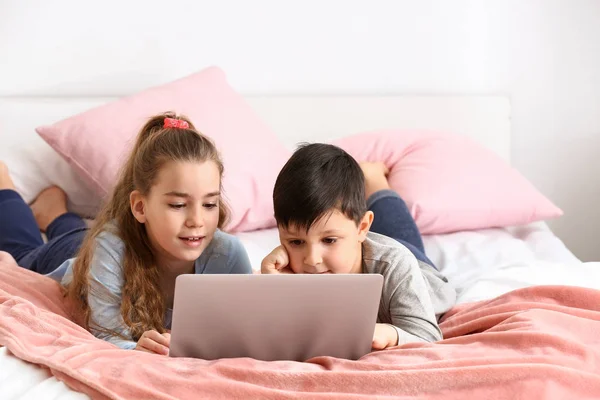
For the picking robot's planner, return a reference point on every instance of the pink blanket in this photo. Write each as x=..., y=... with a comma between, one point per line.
x=540, y=342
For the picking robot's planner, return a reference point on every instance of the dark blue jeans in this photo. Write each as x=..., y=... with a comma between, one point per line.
x=20, y=235
x=393, y=219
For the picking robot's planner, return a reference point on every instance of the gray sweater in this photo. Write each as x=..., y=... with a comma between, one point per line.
x=414, y=293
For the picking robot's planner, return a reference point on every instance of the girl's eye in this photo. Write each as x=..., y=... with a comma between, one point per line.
x=210, y=205
x=330, y=240
x=177, y=206
x=296, y=242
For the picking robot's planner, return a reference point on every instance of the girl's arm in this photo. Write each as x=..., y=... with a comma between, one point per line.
x=239, y=261
x=104, y=297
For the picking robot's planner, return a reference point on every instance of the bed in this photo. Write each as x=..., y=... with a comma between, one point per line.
x=481, y=264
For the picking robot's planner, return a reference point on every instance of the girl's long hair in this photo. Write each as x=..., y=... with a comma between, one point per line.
x=142, y=304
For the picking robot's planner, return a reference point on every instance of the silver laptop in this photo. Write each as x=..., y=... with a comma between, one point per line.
x=274, y=317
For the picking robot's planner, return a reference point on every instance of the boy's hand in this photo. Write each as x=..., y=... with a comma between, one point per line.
x=154, y=342
x=385, y=336
x=276, y=262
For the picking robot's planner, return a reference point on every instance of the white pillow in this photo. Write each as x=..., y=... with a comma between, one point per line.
x=32, y=163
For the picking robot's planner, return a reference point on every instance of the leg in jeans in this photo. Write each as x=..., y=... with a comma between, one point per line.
x=65, y=223
x=19, y=232
x=392, y=217
x=65, y=236
x=20, y=227
x=65, y=232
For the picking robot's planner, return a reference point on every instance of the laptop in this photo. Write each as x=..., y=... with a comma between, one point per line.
x=274, y=317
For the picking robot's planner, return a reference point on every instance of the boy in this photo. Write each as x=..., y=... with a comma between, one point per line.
x=324, y=222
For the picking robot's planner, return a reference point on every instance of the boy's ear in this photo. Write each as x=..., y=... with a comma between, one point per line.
x=365, y=225
x=137, y=205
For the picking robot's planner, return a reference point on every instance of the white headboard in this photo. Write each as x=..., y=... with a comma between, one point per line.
x=295, y=119
x=485, y=119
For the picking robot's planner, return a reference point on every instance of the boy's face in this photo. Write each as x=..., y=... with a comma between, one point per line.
x=332, y=245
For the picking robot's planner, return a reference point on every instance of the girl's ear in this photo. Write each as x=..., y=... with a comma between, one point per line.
x=138, y=206
x=364, y=225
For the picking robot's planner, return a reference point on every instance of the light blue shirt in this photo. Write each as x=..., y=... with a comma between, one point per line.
x=225, y=254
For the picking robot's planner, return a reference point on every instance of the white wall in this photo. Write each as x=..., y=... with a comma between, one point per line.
x=544, y=53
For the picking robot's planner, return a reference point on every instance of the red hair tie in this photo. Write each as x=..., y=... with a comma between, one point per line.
x=176, y=123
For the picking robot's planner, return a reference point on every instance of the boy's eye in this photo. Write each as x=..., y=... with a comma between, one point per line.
x=210, y=205
x=330, y=240
x=177, y=206
x=295, y=242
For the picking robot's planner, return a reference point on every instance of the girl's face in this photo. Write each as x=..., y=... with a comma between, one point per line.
x=181, y=212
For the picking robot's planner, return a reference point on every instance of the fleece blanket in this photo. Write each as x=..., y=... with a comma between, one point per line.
x=537, y=342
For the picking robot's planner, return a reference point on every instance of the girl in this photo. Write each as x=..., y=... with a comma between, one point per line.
x=162, y=220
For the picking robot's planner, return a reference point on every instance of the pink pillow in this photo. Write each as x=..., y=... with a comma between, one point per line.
x=96, y=142
x=450, y=183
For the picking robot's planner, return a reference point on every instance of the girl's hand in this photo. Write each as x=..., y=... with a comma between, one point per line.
x=385, y=336
x=276, y=262
x=154, y=342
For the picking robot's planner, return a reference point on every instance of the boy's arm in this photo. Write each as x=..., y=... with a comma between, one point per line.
x=276, y=262
x=410, y=305
x=104, y=296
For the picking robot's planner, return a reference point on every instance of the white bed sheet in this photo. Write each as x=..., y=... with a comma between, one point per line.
x=25, y=381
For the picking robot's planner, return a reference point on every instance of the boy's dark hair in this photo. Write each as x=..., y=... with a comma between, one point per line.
x=317, y=179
